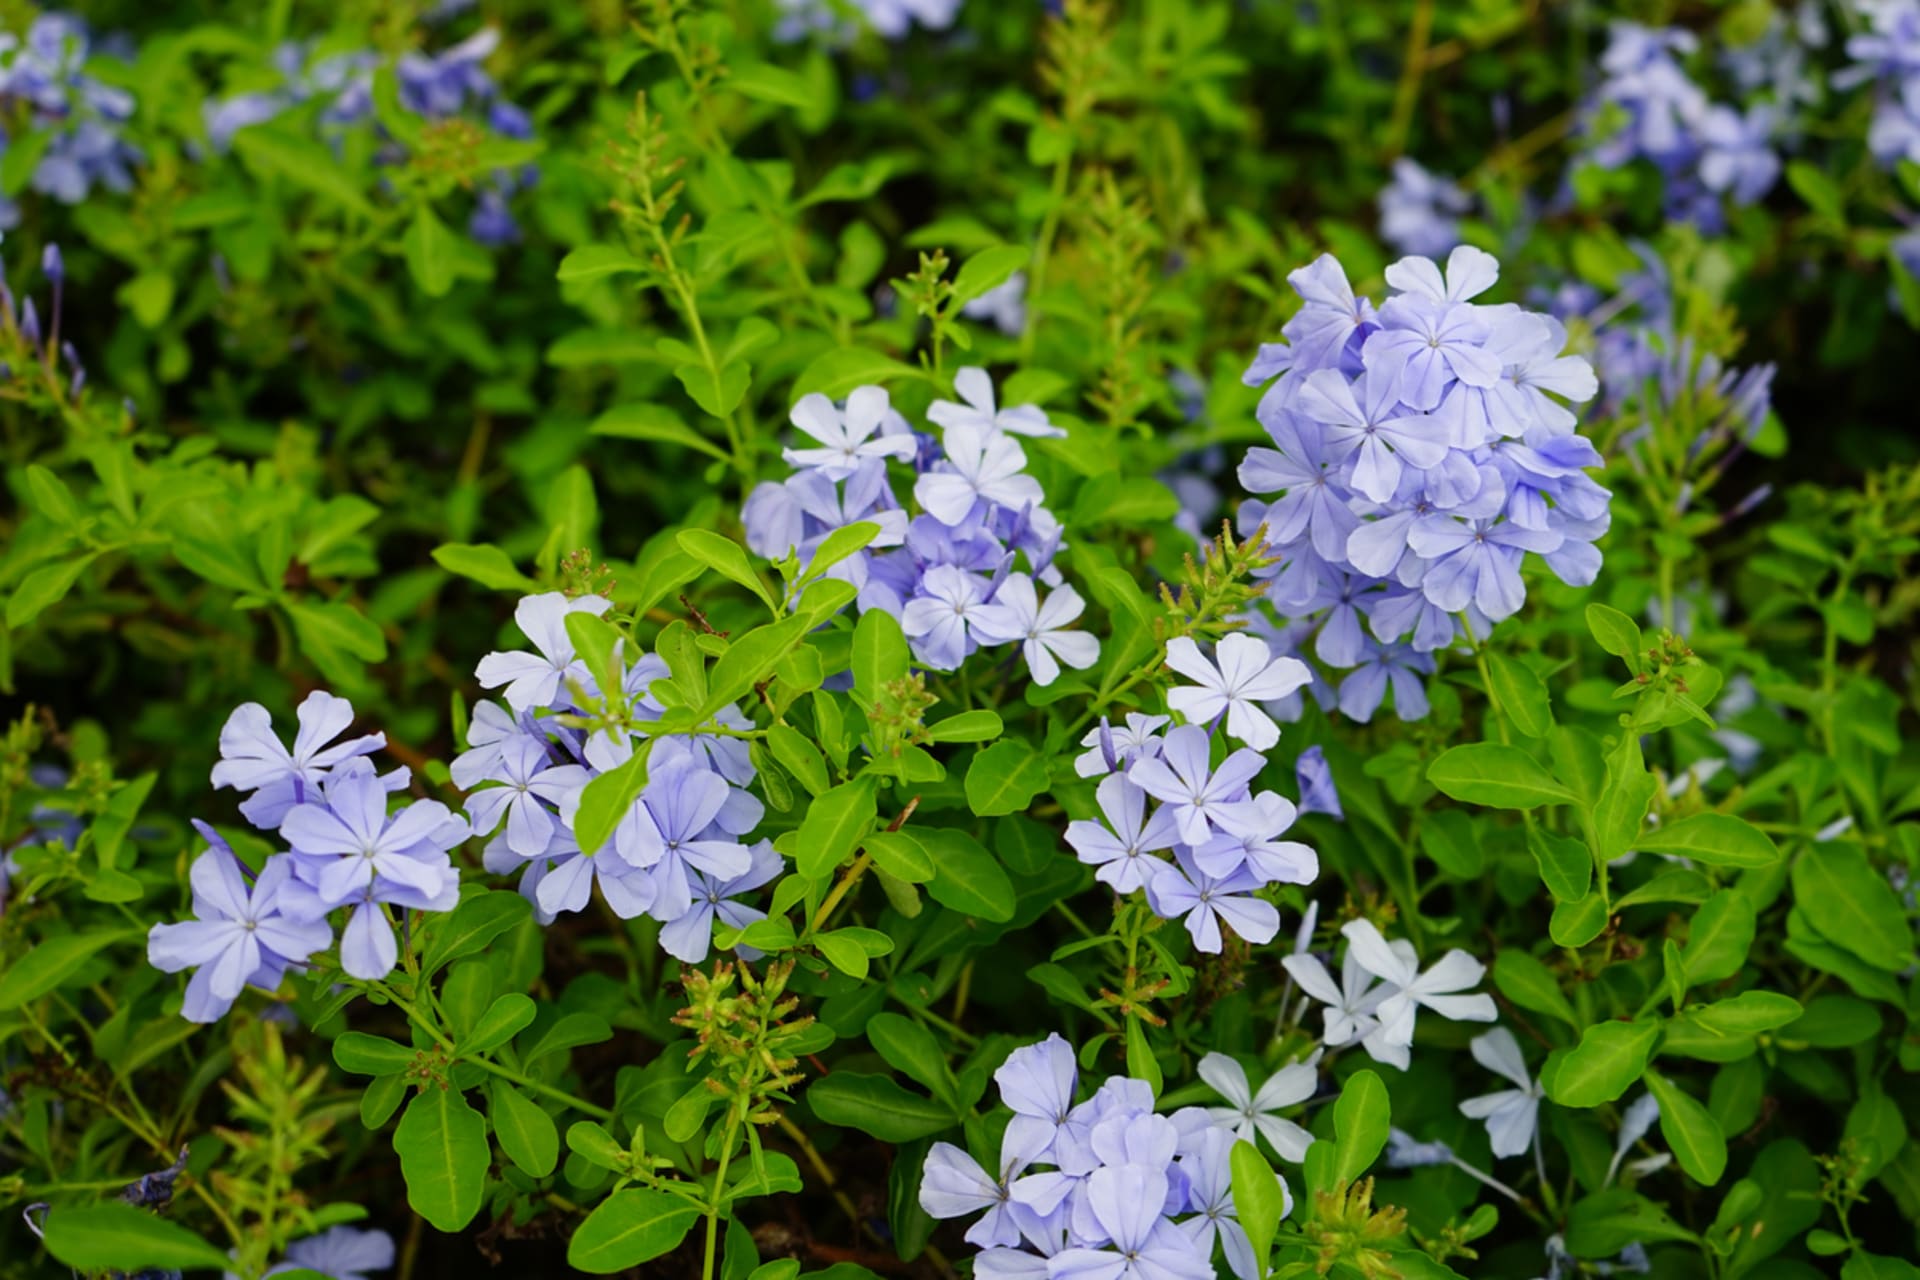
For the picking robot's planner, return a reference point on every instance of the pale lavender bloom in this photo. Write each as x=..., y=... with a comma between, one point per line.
x=1206, y=901
x=1349, y=1015
x=1428, y=345
x=1319, y=333
x=1372, y=427
x=1737, y=156
x=1436, y=989
x=1470, y=272
x=252, y=757
x=1635, y=1121
x=980, y=467
x=975, y=388
x=847, y=436
x=1038, y=1081
x=1311, y=505
x=489, y=733
x=560, y=879
x=1511, y=1114
x=1126, y=1202
x=1477, y=562
x=1121, y=847
x=1004, y=305
x=1318, y=794
x=942, y=621
x=1251, y=1113
x=677, y=809
x=953, y=1185
x=1250, y=838
x=241, y=936
x=535, y=680
x=1209, y=1173
x=527, y=778
x=340, y=1253
x=1182, y=778
x=1420, y=211
x=351, y=841
x=687, y=936
x=1016, y=614
x=1382, y=666
x=1247, y=674
x=1405, y=1153
x=1110, y=748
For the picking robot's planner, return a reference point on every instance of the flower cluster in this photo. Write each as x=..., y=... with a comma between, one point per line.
x=45, y=75
x=1225, y=839
x=1382, y=990
x=1102, y=1188
x=444, y=86
x=677, y=854
x=1422, y=450
x=1646, y=107
x=346, y=850
x=1887, y=57
x=948, y=572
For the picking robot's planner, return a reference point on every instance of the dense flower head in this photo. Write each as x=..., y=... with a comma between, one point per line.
x=678, y=855
x=1382, y=989
x=1647, y=108
x=1424, y=446
x=1886, y=57
x=81, y=115
x=973, y=567
x=1099, y=1186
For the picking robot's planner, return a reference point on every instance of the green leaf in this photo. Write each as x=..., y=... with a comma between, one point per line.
x=1603, y=1224
x=275, y=150
x=364, y=1055
x=1141, y=1064
x=429, y=249
x=840, y=370
x=766, y=83
x=1852, y=905
x=1449, y=837
x=1604, y=1065
x=111, y=1235
x=727, y=558
x=1500, y=777
x=1747, y=1014
x=877, y=1106
x=987, y=270
x=526, y=1132
x=49, y=964
x=1565, y=865
x=879, y=656
x=1618, y=634
x=966, y=878
x=799, y=757
x=838, y=545
x=44, y=588
x=1521, y=695
x=749, y=660
x=844, y=954
x=335, y=635
x=1005, y=778
x=504, y=1019
x=654, y=422
x=1872, y=1266
x=628, y=1228
x=1690, y=1130
x=911, y=1049
x=442, y=1145
x=1821, y=192
x=149, y=296
x=1622, y=808
x=51, y=497
x=593, y=261
x=486, y=564
x=1361, y=1120
x=1716, y=839
x=1719, y=937
x=718, y=392
x=1576, y=923
x=1531, y=985
x=833, y=828
x=477, y=921
x=570, y=1032
x=604, y=802
x=901, y=854
x=1258, y=1200
x=967, y=726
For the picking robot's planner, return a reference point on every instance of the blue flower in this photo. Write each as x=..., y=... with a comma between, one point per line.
x=252, y=757
x=339, y=1253
x=1185, y=782
x=1419, y=211
x=1207, y=901
x=537, y=680
x=687, y=936
x=1121, y=848
x=1318, y=794
x=241, y=935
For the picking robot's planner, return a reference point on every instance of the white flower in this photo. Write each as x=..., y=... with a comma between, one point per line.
x=1350, y=1006
x=1138, y=740
x=1634, y=1123
x=1005, y=305
x=1251, y=1112
x=1247, y=674
x=982, y=466
x=1017, y=614
x=846, y=437
x=1512, y=1115
x=973, y=386
x=1435, y=989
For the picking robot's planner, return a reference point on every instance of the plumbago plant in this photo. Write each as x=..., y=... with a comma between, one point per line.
x=785, y=641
